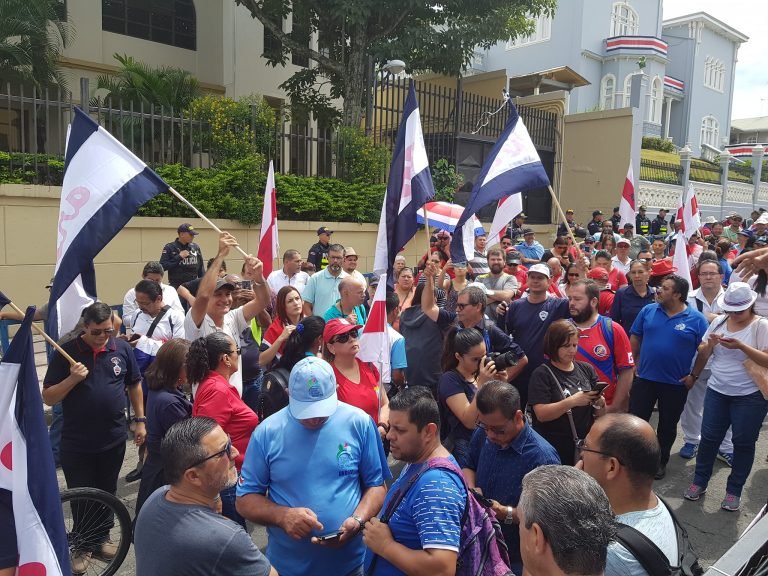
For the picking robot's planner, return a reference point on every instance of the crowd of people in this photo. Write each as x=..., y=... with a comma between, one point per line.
x=530, y=372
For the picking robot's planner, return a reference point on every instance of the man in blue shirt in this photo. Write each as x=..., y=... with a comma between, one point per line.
x=664, y=340
x=423, y=528
x=314, y=469
x=530, y=249
x=503, y=450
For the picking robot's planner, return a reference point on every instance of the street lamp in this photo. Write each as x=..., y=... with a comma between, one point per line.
x=391, y=67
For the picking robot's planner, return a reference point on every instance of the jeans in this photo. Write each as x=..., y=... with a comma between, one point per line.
x=745, y=415
x=228, y=505
x=690, y=420
x=54, y=432
x=671, y=399
x=99, y=470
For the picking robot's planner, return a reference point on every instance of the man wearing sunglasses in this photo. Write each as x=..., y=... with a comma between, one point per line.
x=199, y=463
x=92, y=392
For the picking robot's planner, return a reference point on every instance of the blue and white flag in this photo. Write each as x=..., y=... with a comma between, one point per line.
x=409, y=187
x=27, y=470
x=104, y=186
x=512, y=167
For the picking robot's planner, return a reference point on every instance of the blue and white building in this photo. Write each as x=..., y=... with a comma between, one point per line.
x=613, y=54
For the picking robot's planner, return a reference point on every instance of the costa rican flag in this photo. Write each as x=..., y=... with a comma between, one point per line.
x=408, y=189
x=627, y=203
x=27, y=470
x=374, y=341
x=444, y=215
x=268, y=243
x=688, y=212
x=104, y=186
x=512, y=167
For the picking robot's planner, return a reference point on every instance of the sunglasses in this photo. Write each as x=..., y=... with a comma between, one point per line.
x=227, y=451
x=100, y=331
x=461, y=306
x=495, y=430
x=344, y=338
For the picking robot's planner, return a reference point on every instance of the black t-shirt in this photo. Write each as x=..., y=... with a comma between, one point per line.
x=180, y=269
x=94, y=410
x=452, y=383
x=542, y=389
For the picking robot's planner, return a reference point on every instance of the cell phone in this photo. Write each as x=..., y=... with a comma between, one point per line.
x=330, y=536
x=599, y=387
x=482, y=499
x=246, y=284
x=134, y=337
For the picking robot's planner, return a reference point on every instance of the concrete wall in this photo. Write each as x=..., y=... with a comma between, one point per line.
x=595, y=160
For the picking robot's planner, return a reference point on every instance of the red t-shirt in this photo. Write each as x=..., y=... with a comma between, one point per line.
x=605, y=302
x=363, y=394
x=218, y=399
x=593, y=349
x=617, y=279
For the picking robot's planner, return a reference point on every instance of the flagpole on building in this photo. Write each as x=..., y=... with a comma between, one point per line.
x=48, y=339
x=202, y=216
x=562, y=214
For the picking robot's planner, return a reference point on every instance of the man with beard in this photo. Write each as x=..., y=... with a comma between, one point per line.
x=501, y=287
x=603, y=344
x=322, y=290
x=199, y=463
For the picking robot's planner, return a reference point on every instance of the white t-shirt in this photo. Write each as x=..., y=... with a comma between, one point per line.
x=728, y=375
x=234, y=324
x=171, y=325
x=170, y=297
x=656, y=524
x=278, y=279
x=616, y=263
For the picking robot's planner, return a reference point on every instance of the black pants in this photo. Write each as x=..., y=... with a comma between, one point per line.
x=152, y=477
x=671, y=399
x=94, y=470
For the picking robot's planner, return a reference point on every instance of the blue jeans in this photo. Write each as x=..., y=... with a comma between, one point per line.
x=745, y=415
x=228, y=505
x=54, y=432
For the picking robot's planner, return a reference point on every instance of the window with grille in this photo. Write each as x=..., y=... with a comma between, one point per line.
x=171, y=22
x=624, y=20
x=541, y=33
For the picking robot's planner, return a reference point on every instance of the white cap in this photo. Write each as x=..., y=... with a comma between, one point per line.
x=541, y=268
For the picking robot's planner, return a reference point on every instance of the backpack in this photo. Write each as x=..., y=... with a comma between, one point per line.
x=482, y=550
x=653, y=560
x=274, y=392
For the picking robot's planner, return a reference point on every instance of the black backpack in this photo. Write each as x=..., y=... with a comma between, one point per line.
x=274, y=392
x=653, y=560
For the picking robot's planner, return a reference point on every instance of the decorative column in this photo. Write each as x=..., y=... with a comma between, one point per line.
x=685, y=163
x=757, y=165
x=725, y=160
x=669, y=111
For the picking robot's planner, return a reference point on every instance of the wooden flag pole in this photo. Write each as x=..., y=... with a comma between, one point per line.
x=562, y=215
x=203, y=217
x=48, y=339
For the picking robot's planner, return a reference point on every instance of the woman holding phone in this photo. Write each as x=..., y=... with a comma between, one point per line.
x=564, y=393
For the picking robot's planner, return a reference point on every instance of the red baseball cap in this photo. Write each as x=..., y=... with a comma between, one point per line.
x=598, y=273
x=663, y=268
x=338, y=326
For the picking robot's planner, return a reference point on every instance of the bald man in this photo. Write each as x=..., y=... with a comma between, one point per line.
x=622, y=453
x=350, y=303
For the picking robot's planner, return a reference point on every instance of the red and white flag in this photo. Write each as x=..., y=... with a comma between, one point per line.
x=627, y=204
x=507, y=208
x=680, y=259
x=374, y=341
x=268, y=243
x=689, y=213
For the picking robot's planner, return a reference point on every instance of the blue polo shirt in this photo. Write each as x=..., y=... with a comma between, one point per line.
x=322, y=291
x=668, y=343
x=499, y=472
x=533, y=251
x=94, y=410
x=627, y=304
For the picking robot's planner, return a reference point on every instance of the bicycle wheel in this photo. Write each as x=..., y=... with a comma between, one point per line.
x=92, y=517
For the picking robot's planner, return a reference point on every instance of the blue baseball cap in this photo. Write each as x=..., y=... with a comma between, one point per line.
x=312, y=389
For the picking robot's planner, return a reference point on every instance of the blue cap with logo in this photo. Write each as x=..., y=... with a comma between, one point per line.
x=312, y=389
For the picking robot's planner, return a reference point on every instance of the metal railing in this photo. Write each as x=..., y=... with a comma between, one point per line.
x=653, y=171
x=705, y=172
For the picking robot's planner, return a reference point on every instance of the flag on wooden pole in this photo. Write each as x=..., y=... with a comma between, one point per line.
x=268, y=242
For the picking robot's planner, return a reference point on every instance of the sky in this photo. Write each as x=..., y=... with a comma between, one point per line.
x=748, y=17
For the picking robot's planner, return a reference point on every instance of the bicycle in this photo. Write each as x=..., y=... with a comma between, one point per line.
x=97, y=512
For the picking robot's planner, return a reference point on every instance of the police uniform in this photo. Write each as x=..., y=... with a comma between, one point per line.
x=180, y=269
x=642, y=225
x=659, y=226
x=318, y=255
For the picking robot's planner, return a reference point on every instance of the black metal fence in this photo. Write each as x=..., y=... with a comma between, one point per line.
x=661, y=172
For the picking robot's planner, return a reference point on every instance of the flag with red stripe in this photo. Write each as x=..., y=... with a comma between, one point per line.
x=374, y=341
x=268, y=243
x=627, y=203
x=27, y=470
x=688, y=213
x=507, y=208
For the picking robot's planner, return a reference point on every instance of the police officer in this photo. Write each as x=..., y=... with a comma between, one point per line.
x=318, y=252
x=642, y=222
x=660, y=226
x=183, y=258
x=596, y=224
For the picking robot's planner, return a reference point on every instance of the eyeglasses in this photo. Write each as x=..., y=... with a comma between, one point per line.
x=235, y=351
x=227, y=451
x=495, y=430
x=100, y=331
x=574, y=275
x=344, y=338
x=581, y=446
x=461, y=306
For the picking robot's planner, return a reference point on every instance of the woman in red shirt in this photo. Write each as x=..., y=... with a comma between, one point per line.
x=357, y=382
x=289, y=308
x=210, y=362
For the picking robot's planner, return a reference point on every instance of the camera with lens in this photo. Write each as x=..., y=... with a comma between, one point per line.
x=502, y=360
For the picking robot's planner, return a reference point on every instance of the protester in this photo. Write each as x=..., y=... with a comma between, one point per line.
x=478, y=264
x=289, y=311
x=500, y=286
x=404, y=287
x=166, y=405
x=630, y=299
x=188, y=291
x=622, y=260
x=182, y=258
x=530, y=249
x=637, y=243
x=289, y=275
x=506, y=244
x=346, y=488
x=440, y=267
x=566, y=523
x=309, y=268
x=660, y=270
x=616, y=278
x=733, y=397
x=734, y=227
x=93, y=448
x=502, y=450
x=606, y=243
x=322, y=290
x=453, y=286
x=357, y=382
x=152, y=271
x=178, y=531
x=560, y=251
x=211, y=361
x=425, y=506
x=622, y=454
x=399, y=264
x=318, y=252
x=572, y=274
x=350, y=303
x=601, y=277
x=664, y=339
x=393, y=372
x=515, y=268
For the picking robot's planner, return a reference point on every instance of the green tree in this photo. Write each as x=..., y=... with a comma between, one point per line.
x=440, y=36
x=32, y=36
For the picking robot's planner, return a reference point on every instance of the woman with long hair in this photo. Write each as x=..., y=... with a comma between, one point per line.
x=572, y=274
x=305, y=340
x=735, y=349
x=466, y=369
x=632, y=298
x=166, y=405
x=288, y=313
x=725, y=255
x=607, y=243
x=211, y=361
x=453, y=286
x=562, y=392
x=357, y=382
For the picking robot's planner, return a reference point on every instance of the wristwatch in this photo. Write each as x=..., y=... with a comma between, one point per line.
x=510, y=517
x=142, y=419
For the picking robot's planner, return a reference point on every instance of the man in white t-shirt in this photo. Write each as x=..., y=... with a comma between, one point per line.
x=622, y=260
x=290, y=274
x=212, y=311
x=622, y=453
x=152, y=271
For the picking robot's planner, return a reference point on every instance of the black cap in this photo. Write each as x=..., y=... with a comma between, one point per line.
x=597, y=213
x=527, y=231
x=643, y=207
x=615, y=209
x=513, y=258
x=188, y=228
x=323, y=230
